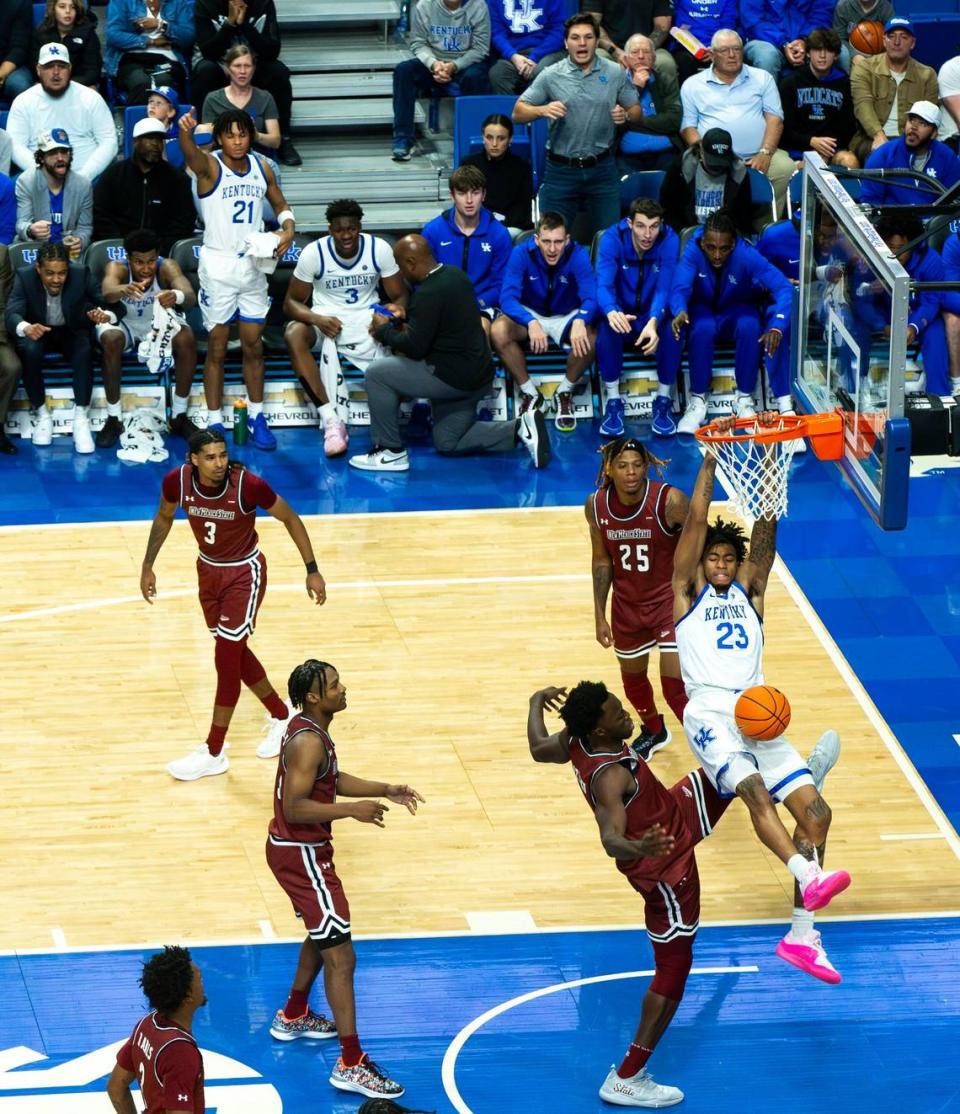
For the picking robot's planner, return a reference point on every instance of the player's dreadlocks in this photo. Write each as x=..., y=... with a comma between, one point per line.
x=619, y=445
x=237, y=118
x=213, y=437
x=721, y=221
x=167, y=978
x=344, y=207
x=583, y=708
x=729, y=533
x=302, y=678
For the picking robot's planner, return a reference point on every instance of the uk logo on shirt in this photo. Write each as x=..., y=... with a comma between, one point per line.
x=486, y=247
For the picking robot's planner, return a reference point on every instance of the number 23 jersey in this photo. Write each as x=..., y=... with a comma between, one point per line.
x=720, y=641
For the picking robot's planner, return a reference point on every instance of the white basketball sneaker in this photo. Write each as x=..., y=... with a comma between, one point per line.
x=694, y=416
x=269, y=745
x=638, y=1090
x=43, y=431
x=199, y=763
x=82, y=437
x=823, y=758
x=743, y=405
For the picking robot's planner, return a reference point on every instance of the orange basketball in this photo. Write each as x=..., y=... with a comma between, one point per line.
x=762, y=713
x=867, y=37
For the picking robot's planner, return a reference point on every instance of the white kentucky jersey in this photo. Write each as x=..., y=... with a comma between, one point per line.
x=340, y=284
x=233, y=208
x=720, y=641
x=139, y=315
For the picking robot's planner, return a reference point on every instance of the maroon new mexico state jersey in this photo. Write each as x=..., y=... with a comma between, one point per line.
x=324, y=790
x=167, y=1064
x=223, y=519
x=648, y=803
x=641, y=546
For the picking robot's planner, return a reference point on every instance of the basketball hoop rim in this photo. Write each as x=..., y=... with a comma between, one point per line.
x=825, y=432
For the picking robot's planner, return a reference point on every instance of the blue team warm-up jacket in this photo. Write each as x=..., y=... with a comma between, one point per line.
x=745, y=279
x=943, y=165
x=630, y=284
x=779, y=244
x=530, y=285
x=483, y=255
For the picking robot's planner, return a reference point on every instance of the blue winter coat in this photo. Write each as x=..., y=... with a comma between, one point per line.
x=620, y=272
x=745, y=279
x=483, y=255
x=529, y=284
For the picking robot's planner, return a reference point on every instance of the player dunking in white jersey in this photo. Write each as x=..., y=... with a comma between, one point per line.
x=718, y=616
x=231, y=186
x=344, y=270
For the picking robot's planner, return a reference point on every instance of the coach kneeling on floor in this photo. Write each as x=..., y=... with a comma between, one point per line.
x=441, y=353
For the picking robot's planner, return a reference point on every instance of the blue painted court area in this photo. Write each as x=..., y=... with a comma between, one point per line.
x=751, y=1035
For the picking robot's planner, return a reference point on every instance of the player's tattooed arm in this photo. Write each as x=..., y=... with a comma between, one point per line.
x=159, y=529
x=678, y=505
x=686, y=557
x=545, y=747
x=763, y=551
x=602, y=571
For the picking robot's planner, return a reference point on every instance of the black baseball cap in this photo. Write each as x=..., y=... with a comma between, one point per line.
x=717, y=148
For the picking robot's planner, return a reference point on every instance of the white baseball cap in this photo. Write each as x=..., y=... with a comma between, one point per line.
x=149, y=125
x=53, y=52
x=927, y=111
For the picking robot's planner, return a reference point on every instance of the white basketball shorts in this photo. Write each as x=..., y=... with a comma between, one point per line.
x=232, y=288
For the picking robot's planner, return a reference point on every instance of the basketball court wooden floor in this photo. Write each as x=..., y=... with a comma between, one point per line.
x=441, y=626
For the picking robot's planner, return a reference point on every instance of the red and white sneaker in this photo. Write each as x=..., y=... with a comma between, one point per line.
x=365, y=1079
x=335, y=438
x=822, y=886
x=806, y=952
x=313, y=1026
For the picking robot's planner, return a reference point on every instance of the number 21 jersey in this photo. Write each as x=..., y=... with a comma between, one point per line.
x=233, y=208
x=720, y=641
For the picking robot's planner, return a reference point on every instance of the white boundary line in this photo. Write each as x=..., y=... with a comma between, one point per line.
x=860, y=695
x=461, y=933
x=448, y=1068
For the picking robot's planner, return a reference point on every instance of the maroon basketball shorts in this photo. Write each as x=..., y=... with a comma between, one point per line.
x=672, y=905
x=637, y=631
x=230, y=595
x=307, y=876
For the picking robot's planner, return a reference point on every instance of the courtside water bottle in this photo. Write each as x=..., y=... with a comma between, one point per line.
x=241, y=430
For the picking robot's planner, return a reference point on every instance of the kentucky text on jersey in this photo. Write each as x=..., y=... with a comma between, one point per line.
x=242, y=189
x=727, y=611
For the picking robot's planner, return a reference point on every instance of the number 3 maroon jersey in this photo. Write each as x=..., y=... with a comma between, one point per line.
x=641, y=546
x=324, y=790
x=167, y=1064
x=223, y=519
x=648, y=803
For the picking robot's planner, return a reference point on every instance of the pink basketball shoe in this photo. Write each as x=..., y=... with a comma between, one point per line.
x=821, y=887
x=806, y=952
x=335, y=438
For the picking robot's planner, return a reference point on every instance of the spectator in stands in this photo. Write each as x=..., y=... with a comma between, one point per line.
x=469, y=236
x=329, y=304
x=450, y=40
x=6, y=153
x=584, y=98
x=68, y=22
x=143, y=191
x=8, y=209
x=848, y=13
x=635, y=265
x=951, y=270
x=948, y=82
x=653, y=142
x=163, y=104
x=703, y=19
x=441, y=353
x=220, y=24
x=743, y=101
x=549, y=294
x=16, y=29
x=885, y=85
x=709, y=176
x=240, y=64
x=136, y=284
x=917, y=149
x=9, y=361
x=818, y=104
x=523, y=40
x=54, y=305
x=618, y=20
x=723, y=289
x=52, y=199
x=149, y=44
x=775, y=31
x=508, y=177
x=58, y=102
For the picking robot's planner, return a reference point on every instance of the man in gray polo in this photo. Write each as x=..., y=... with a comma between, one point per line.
x=584, y=98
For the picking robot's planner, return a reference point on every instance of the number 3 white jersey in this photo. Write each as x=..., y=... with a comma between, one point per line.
x=233, y=208
x=720, y=641
x=345, y=284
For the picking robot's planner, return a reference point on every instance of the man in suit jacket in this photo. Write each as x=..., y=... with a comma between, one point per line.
x=55, y=305
x=52, y=198
x=9, y=362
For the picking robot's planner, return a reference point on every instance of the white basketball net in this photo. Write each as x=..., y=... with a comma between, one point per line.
x=755, y=473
